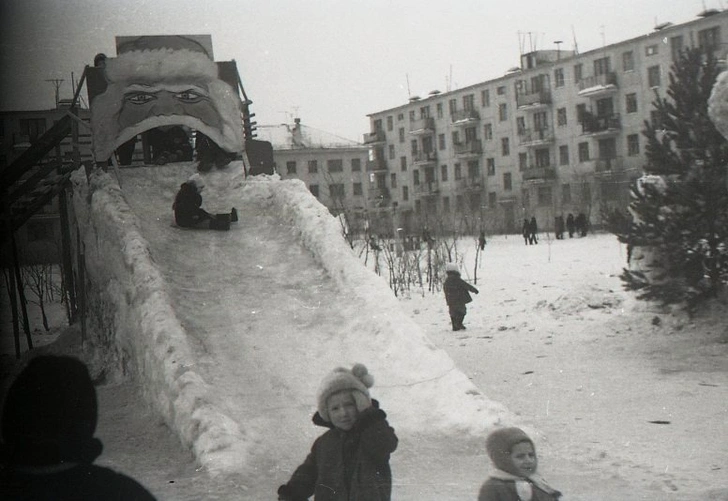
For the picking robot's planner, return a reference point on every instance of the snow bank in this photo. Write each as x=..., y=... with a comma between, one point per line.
x=131, y=314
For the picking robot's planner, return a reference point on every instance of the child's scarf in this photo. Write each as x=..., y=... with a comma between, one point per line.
x=524, y=486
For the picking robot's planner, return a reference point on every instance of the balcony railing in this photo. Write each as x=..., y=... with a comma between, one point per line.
x=539, y=174
x=474, y=147
x=374, y=137
x=376, y=193
x=377, y=164
x=592, y=124
x=542, y=96
x=465, y=116
x=469, y=183
x=536, y=136
x=424, y=157
x=423, y=126
x=427, y=188
x=598, y=84
x=609, y=165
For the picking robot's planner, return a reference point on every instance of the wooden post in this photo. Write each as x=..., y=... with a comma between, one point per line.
x=14, y=309
x=21, y=292
x=66, y=252
x=81, y=260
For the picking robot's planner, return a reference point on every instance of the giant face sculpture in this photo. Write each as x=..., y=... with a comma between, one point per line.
x=164, y=82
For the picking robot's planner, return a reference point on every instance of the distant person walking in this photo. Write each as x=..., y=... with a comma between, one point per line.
x=481, y=240
x=570, y=225
x=457, y=295
x=581, y=224
x=532, y=231
x=559, y=227
x=525, y=231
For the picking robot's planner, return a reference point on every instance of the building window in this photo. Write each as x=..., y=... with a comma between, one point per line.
x=559, y=77
x=455, y=137
x=602, y=66
x=335, y=165
x=458, y=172
x=445, y=204
x=291, y=167
x=490, y=166
x=565, y=194
x=503, y=112
x=443, y=172
x=314, y=189
x=507, y=181
x=400, y=117
x=583, y=152
x=485, y=98
x=416, y=177
x=633, y=145
x=405, y=193
x=628, y=61
x=413, y=147
x=439, y=110
x=651, y=50
x=543, y=157
x=544, y=195
x=390, y=123
x=469, y=102
x=391, y=152
x=580, y=112
x=312, y=166
x=492, y=199
x=653, y=76
x=505, y=146
x=522, y=161
x=403, y=164
x=32, y=127
x=631, y=102
x=488, y=132
x=393, y=180
x=441, y=141
x=418, y=206
x=473, y=169
x=453, y=106
x=501, y=90
x=709, y=39
x=655, y=119
x=561, y=117
x=401, y=135
x=356, y=165
x=676, y=47
x=336, y=191
x=412, y=116
x=356, y=189
x=564, y=154
x=578, y=72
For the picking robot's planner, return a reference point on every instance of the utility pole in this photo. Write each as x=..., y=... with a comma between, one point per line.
x=57, y=84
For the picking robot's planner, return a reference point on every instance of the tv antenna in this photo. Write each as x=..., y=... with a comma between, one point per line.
x=57, y=84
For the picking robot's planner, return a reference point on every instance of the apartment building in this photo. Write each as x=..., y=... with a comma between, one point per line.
x=333, y=168
x=560, y=134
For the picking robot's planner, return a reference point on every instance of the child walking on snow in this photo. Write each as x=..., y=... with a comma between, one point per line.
x=351, y=460
x=457, y=295
x=514, y=477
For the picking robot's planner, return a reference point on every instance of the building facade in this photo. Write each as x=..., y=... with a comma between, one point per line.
x=560, y=134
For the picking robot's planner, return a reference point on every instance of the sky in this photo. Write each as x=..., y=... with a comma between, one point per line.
x=327, y=62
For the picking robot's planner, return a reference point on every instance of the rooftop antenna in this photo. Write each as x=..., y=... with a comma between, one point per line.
x=57, y=84
x=558, y=49
x=449, y=85
x=409, y=94
x=576, y=47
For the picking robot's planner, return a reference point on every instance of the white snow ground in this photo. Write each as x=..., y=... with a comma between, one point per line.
x=551, y=336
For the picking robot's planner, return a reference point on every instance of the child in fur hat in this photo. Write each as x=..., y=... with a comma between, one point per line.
x=351, y=460
x=514, y=478
x=457, y=295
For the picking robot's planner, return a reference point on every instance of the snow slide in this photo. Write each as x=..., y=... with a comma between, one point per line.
x=229, y=333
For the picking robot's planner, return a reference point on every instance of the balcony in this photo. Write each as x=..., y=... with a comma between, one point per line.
x=601, y=125
x=424, y=157
x=375, y=137
x=427, y=188
x=605, y=167
x=535, y=99
x=423, y=126
x=472, y=148
x=539, y=174
x=536, y=137
x=378, y=164
x=464, y=117
x=469, y=183
x=598, y=85
x=380, y=194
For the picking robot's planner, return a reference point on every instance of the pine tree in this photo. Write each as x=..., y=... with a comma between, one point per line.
x=679, y=210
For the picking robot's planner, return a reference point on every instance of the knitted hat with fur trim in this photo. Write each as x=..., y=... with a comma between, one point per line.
x=357, y=381
x=500, y=443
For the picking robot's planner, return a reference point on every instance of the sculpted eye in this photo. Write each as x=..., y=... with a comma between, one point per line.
x=140, y=97
x=189, y=96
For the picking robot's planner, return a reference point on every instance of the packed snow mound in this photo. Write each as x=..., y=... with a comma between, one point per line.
x=231, y=332
x=577, y=301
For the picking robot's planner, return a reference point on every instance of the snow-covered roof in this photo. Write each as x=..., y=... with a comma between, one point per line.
x=299, y=136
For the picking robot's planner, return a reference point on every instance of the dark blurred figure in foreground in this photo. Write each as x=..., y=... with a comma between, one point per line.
x=48, y=448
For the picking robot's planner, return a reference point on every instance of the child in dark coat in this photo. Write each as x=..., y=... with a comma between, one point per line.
x=350, y=462
x=457, y=295
x=188, y=211
x=514, y=478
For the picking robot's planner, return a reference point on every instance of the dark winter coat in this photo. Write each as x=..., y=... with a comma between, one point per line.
x=187, y=206
x=496, y=489
x=457, y=290
x=347, y=465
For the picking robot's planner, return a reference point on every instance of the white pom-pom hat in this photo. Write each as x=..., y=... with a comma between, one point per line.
x=357, y=380
x=452, y=267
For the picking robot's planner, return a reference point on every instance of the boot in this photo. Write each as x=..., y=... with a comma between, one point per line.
x=220, y=222
x=234, y=215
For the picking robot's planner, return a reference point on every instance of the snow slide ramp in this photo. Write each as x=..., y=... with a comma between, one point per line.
x=230, y=333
